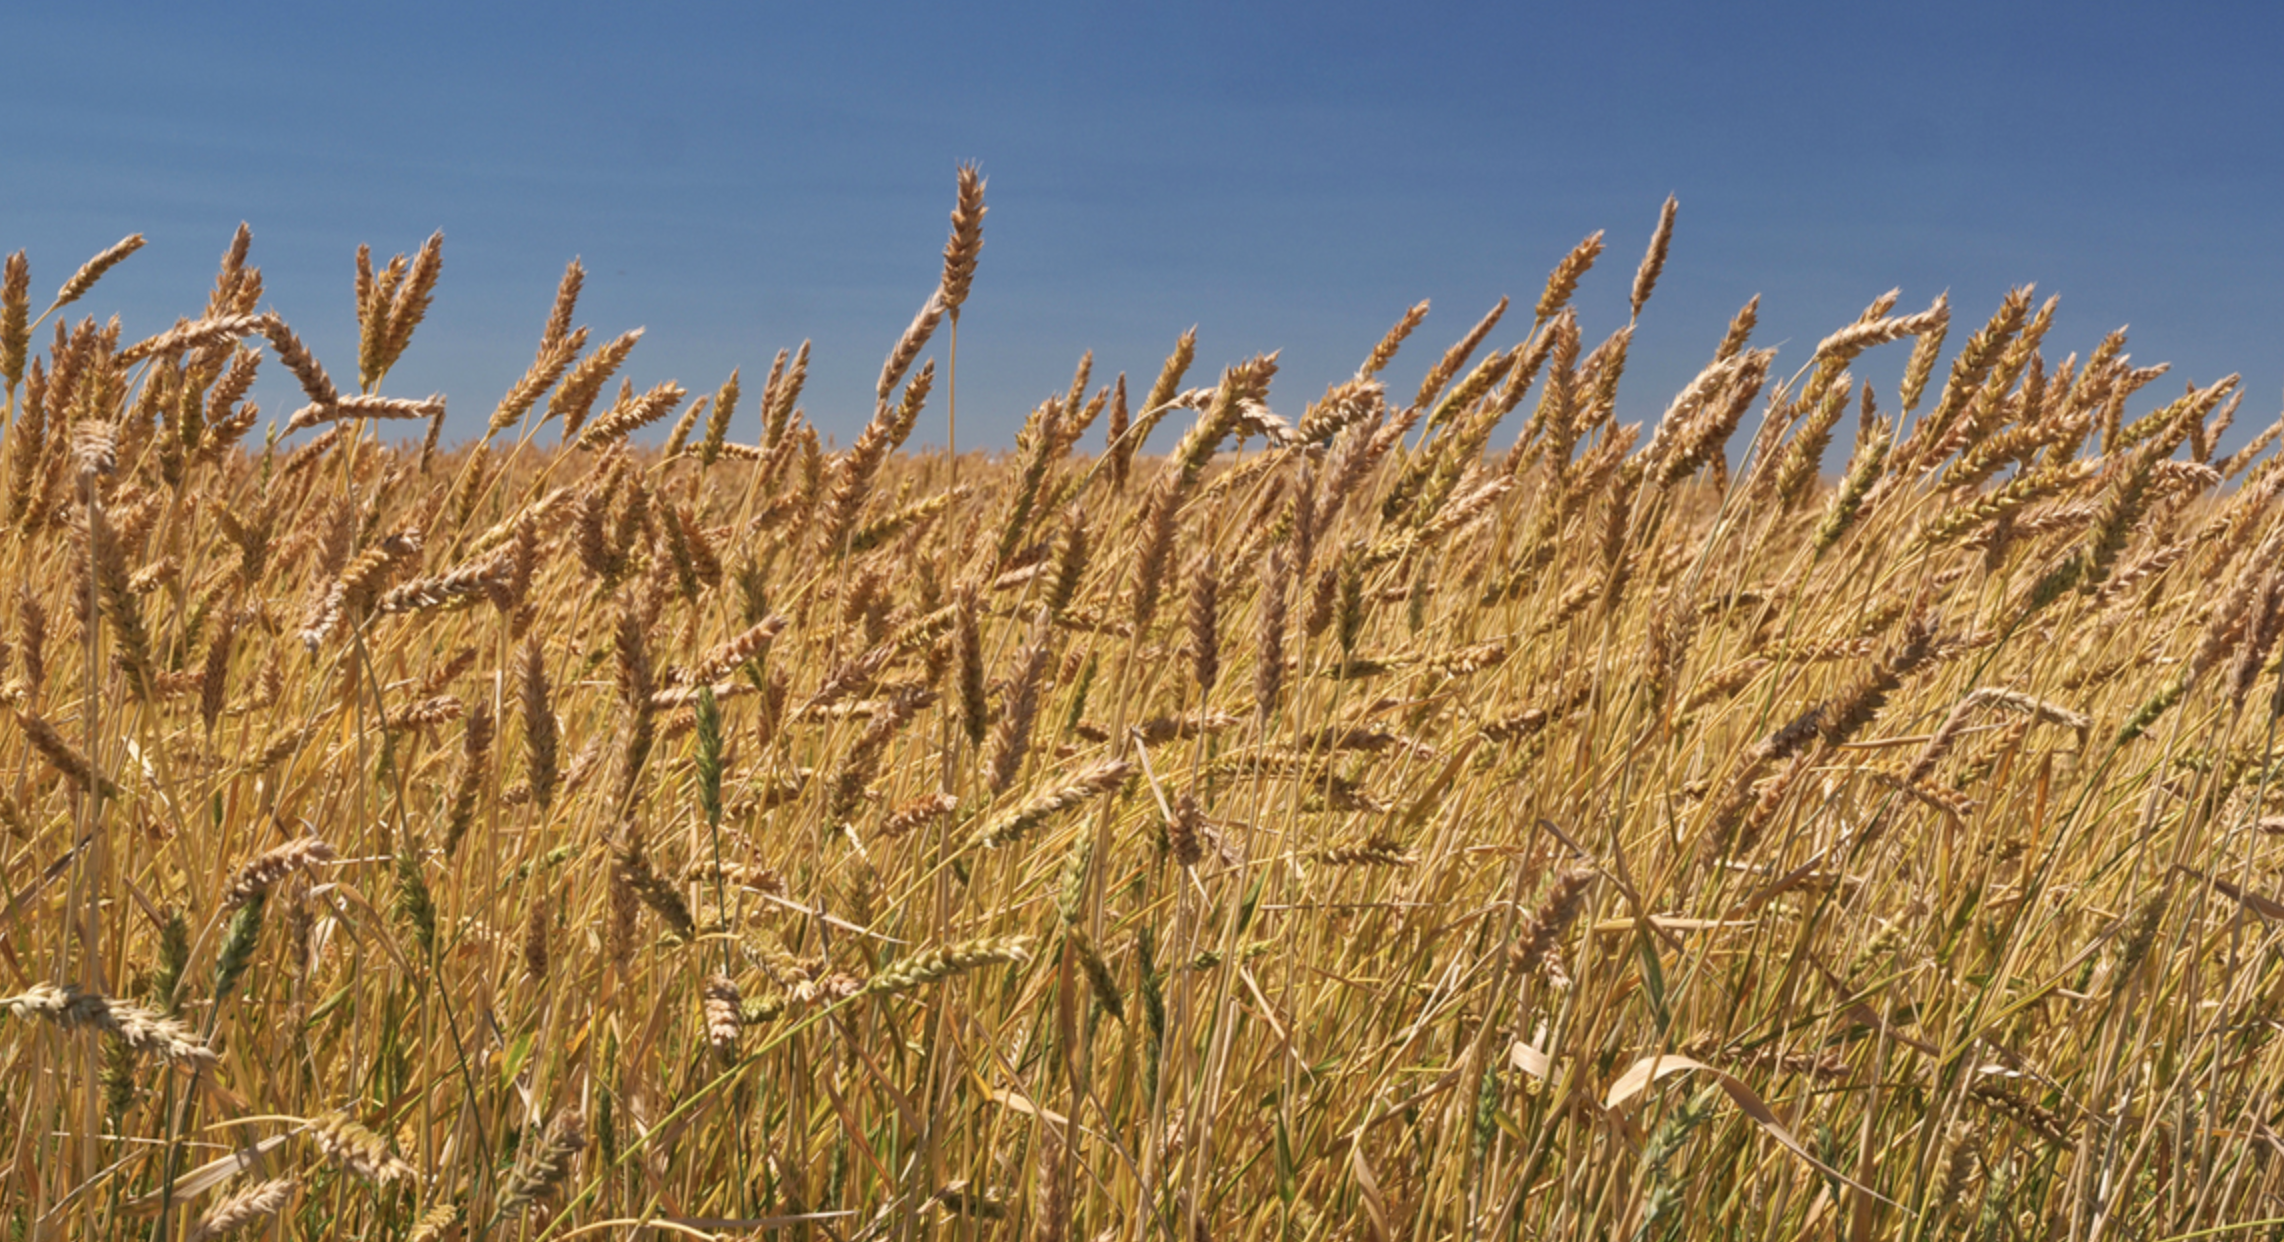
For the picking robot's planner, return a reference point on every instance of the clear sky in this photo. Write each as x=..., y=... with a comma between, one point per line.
x=739, y=177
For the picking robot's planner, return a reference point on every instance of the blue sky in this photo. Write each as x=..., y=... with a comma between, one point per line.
x=740, y=177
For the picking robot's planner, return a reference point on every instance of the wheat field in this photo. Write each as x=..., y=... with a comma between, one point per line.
x=1424, y=814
